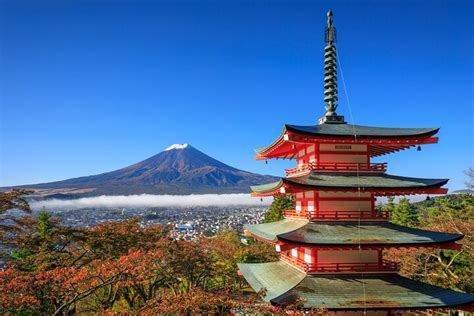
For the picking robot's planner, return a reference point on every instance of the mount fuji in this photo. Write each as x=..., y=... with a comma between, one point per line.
x=179, y=169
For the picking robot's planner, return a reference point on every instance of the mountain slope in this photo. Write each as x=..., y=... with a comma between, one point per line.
x=180, y=169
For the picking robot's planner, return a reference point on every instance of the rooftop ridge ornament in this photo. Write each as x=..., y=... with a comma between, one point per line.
x=330, y=76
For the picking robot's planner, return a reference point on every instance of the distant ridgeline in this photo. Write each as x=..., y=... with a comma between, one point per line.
x=179, y=169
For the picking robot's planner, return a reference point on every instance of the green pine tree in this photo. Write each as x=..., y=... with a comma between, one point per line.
x=280, y=203
x=390, y=206
x=405, y=214
x=44, y=224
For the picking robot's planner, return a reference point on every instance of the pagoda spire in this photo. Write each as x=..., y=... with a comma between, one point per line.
x=330, y=76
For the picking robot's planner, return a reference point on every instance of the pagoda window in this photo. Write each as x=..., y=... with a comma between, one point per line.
x=305, y=201
x=294, y=252
x=298, y=205
x=301, y=153
x=308, y=257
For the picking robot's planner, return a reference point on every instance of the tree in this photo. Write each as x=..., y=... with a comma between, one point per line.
x=404, y=214
x=39, y=243
x=280, y=203
x=14, y=200
x=390, y=206
x=443, y=267
x=44, y=224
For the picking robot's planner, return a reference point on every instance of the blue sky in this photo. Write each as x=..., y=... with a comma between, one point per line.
x=92, y=86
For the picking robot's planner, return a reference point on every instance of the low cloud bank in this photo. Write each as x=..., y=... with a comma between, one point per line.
x=148, y=200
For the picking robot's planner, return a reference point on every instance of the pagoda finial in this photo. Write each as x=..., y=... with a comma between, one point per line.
x=330, y=76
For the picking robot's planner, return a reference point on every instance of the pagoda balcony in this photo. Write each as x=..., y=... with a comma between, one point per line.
x=308, y=167
x=347, y=267
x=335, y=215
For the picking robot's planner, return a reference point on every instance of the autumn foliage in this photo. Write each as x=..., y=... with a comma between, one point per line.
x=446, y=268
x=127, y=268
x=121, y=267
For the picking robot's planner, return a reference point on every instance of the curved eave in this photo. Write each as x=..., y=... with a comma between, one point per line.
x=268, y=189
x=276, y=278
x=380, y=140
x=379, y=184
x=285, y=285
x=370, y=183
x=268, y=232
x=347, y=130
x=261, y=152
x=301, y=232
x=376, y=234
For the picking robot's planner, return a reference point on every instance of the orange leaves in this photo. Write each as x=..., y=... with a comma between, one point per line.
x=123, y=266
x=16, y=291
x=203, y=302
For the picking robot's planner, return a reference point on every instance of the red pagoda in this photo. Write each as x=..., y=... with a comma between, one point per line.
x=331, y=245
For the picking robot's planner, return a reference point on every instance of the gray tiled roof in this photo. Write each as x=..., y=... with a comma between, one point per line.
x=269, y=231
x=364, y=181
x=360, y=130
x=347, y=130
x=367, y=233
x=340, y=233
x=285, y=285
x=276, y=278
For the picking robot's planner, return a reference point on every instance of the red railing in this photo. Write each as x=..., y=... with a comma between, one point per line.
x=330, y=215
x=335, y=166
x=300, y=169
x=296, y=214
x=349, y=215
x=384, y=266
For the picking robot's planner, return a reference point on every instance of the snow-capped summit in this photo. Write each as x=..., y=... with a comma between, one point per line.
x=176, y=146
x=180, y=169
